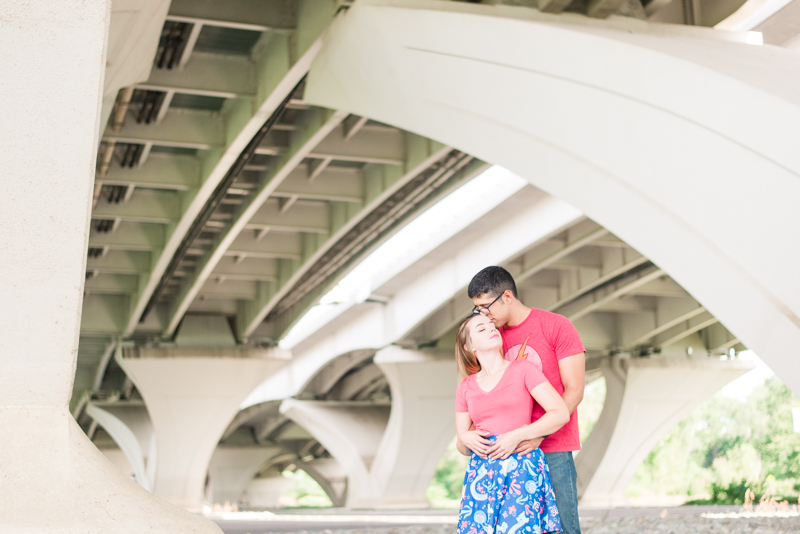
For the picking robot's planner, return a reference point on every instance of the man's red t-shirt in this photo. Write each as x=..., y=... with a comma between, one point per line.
x=544, y=338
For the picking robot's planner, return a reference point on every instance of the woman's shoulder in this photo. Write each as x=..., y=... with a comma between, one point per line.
x=466, y=381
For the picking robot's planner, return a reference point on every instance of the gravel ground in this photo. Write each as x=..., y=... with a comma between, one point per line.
x=689, y=524
x=682, y=524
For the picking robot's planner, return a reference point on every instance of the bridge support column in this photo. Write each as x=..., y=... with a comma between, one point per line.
x=264, y=491
x=389, y=456
x=192, y=394
x=133, y=433
x=330, y=476
x=233, y=468
x=54, y=479
x=644, y=399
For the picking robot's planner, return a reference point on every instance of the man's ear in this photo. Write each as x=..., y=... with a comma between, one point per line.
x=508, y=296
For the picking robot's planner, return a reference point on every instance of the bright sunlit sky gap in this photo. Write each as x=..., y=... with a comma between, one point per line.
x=745, y=384
x=443, y=220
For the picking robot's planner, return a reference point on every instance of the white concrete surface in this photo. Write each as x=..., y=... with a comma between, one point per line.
x=133, y=37
x=119, y=459
x=51, y=78
x=645, y=397
x=533, y=217
x=192, y=394
x=126, y=439
x=678, y=140
x=390, y=461
x=330, y=476
x=135, y=417
x=232, y=468
x=264, y=492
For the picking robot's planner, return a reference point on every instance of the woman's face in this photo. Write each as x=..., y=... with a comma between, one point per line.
x=484, y=335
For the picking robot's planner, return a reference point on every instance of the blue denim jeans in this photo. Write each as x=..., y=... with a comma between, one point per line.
x=565, y=485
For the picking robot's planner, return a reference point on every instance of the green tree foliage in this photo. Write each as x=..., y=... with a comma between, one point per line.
x=590, y=407
x=444, y=490
x=722, y=448
x=305, y=493
x=725, y=446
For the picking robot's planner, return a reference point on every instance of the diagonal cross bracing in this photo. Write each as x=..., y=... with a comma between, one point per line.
x=320, y=125
x=278, y=70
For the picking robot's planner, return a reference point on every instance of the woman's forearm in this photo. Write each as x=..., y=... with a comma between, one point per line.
x=463, y=449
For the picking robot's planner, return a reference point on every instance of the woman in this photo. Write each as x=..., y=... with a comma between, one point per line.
x=504, y=492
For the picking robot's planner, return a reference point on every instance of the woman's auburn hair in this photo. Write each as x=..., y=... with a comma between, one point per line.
x=466, y=361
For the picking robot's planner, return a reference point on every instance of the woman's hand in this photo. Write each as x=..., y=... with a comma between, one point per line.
x=475, y=440
x=505, y=445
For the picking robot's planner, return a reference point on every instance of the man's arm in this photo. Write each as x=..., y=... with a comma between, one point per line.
x=469, y=439
x=573, y=376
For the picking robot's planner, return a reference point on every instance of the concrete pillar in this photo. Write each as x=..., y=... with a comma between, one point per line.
x=644, y=399
x=134, y=415
x=192, y=394
x=351, y=431
x=232, y=468
x=264, y=492
x=389, y=456
x=330, y=476
x=54, y=479
x=119, y=459
x=127, y=442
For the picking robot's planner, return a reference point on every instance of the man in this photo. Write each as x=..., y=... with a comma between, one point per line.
x=551, y=342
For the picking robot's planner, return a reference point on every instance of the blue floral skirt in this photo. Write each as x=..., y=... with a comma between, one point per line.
x=511, y=496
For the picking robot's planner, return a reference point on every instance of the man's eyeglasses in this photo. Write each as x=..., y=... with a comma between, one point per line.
x=485, y=309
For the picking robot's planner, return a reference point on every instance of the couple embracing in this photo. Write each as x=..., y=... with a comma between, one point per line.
x=522, y=373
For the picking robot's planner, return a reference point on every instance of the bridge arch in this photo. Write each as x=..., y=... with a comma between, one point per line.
x=678, y=140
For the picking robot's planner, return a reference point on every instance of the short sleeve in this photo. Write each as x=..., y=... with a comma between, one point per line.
x=531, y=374
x=565, y=339
x=461, y=397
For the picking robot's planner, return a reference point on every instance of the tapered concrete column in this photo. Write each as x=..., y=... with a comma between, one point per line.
x=421, y=426
x=264, y=492
x=192, y=394
x=644, y=399
x=389, y=462
x=351, y=432
x=330, y=476
x=127, y=441
x=233, y=468
x=54, y=479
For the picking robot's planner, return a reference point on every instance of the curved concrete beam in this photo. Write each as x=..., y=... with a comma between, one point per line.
x=645, y=398
x=420, y=426
x=231, y=469
x=389, y=463
x=533, y=217
x=650, y=129
x=330, y=476
x=126, y=440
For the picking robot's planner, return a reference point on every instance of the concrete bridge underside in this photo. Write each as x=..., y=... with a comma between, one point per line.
x=255, y=153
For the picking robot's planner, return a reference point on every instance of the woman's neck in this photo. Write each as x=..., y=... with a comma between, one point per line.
x=491, y=362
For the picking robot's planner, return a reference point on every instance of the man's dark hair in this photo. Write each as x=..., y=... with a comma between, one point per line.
x=492, y=281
